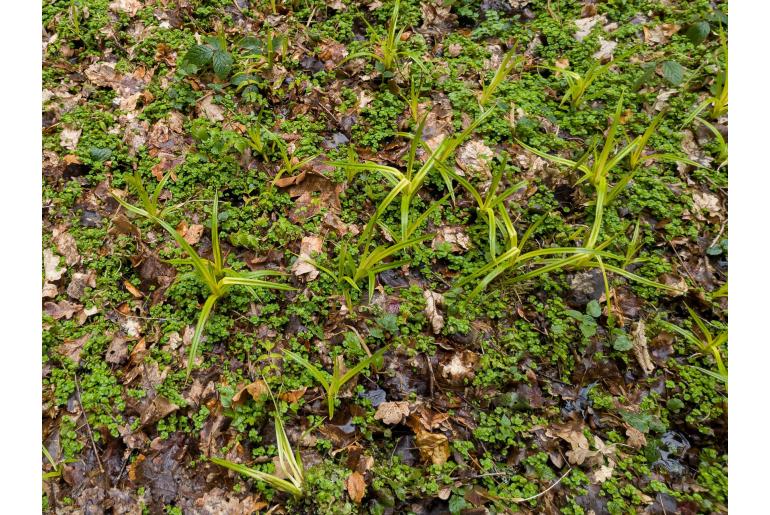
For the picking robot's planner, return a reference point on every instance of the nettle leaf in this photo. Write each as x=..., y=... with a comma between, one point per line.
x=252, y=44
x=100, y=154
x=698, y=32
x=673, y=72
x=222, y=63
x=199, y=55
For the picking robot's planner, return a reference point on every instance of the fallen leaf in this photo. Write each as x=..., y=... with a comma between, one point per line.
x=117, y=352
x=158, y=408
x=434, y=447
x=210, y=110
x=660, y=34
x=460, y=368
x=73, y=348
x=257, y=389
x=69, y=137
x=79, y=282
x=67, y=246
x=62, y=309
x=310, y=245
x=127, y=6
x=474, y=157
x=133, y=290
x=51, y=266
x=636, y=438
x=392, y=412
x=603, y=473
x=454, y=235
x=433, y=301
x=584, y=25
x=707, y=202
x=356, y=486
x=193, y=234
x=49, y=291
x=642, y=353
x=606, y=48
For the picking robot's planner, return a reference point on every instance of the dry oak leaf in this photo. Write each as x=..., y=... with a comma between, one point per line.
x=73, y=348
x=584, y=25
x=256, y=389
x=433, y=301
x=642, y=353
x=79, y=282
x=309, y=246
x=356, y=486
x=193, y=234
x=392, y=412
x=210, y=110
x=636, y=438
x=461, y=367
x=433, y=447
x=67, y=246
x=454, y=235
x=660, y=34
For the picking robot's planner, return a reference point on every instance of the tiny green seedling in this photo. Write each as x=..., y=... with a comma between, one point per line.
x=217, y=277
x=289, y=460
x=333, y=384
x=707, y=342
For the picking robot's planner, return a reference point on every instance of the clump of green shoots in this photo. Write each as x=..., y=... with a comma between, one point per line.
x=333, y=384
x=706, y=342
x=387, y=51
x=717, y=102
x=214, y=274
x=578, y=84
x=507, y=65
x=290, y=462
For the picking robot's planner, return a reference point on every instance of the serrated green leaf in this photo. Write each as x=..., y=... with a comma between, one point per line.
x=622, y=343
x=673, y=72
x=222, y=63
x=100, y=154
x=199, y=55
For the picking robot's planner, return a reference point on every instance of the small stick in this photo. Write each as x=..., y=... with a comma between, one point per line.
x=88, y=426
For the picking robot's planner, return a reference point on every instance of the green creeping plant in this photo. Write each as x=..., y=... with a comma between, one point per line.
x=217, y=277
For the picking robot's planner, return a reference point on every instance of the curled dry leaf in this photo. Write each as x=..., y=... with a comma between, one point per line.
x=257, y=389
x=67, y=246
x=310, y=245
x=193, y=234
x=642, y=353
x=356, y=486
x=62, y=309
x=660, y=34
x=126, y=6
x=392, y=412
x=461, y=367
x=636, y=438
x=208, y=109
x=606, y=48
x=433, y=301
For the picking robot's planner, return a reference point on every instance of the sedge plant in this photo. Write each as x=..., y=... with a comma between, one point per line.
x=577, y=84
x=716, y=104
x=214, y=274
x=707, y=342
x=387, y=51
x=507, y=65
x=332, y=385
x=289, y=460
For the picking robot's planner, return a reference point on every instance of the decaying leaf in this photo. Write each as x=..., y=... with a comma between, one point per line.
x=434, y=447
x=79, y=282
x=474, y=158
x=584, y=25
x=62, y=309
x=460, y=368
x=210, y=110
x=642, y=353
x=458, y=240
x=257, y=389
x=69, y=137
x=51, y=266
x=606, y=48
x=310, y=246
x=392, y=412
x=660, y=34
x=127, y=6
x=356, y=486
x=433, y=301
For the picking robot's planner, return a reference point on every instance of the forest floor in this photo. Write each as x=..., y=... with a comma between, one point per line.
x=550, y=337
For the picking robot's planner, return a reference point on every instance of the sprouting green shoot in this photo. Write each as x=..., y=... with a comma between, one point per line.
x=289, y=460
x=577, y=84
x=706, y=342
x=333, y=384
x=508, y=63
x=149, y=201
x=217, y=278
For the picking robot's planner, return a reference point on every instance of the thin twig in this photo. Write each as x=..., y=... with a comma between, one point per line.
x=88, y=426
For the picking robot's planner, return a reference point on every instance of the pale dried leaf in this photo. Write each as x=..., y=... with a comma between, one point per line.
x=584, y=25
x=310, y=246
x=356, y=486
x=392, y=412
x=434, y=447
x=642, y=353
x=51, y=266
x=433, y=301
x=69, y=137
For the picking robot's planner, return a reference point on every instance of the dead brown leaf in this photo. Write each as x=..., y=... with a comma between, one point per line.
x=73, y=348
x=67, y=246
x=208, y=109
x=356, y=486
x=51, y=266
x=454, y=235
x=474, y=158
x=257, y=389
x=62, y=309
x=434, y=447
x=660, y=34
x=460, y=368
x=69, y=137
x=79, y=282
